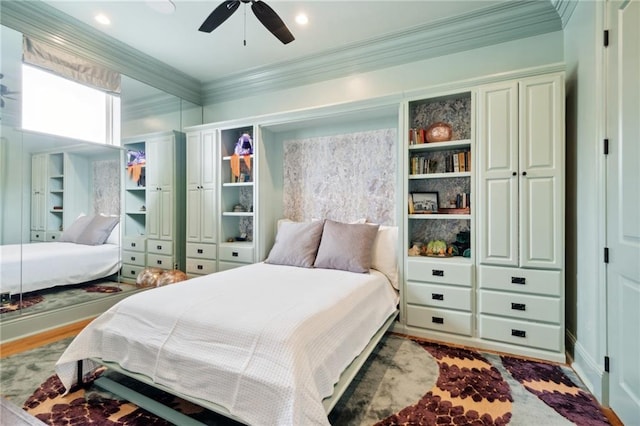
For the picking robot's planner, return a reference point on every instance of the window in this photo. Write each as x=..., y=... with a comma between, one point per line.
x=55, y=105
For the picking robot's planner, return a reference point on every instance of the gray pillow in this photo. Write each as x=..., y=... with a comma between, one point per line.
x=73, y=231
x=98, y=230
x=346, y=246
x=296, y=244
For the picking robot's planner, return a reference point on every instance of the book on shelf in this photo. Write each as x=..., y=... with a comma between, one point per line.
x=456, y=163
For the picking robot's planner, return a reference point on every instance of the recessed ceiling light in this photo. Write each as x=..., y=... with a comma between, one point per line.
x=103, y=19
x=302, y=19
x=163, y=6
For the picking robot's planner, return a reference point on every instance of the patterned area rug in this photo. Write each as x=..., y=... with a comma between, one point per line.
x=26, y=302
x=102, y=289
x=405, y=382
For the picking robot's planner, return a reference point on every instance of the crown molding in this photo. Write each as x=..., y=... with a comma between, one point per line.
x=45, y=23
x=505, y=22
x=565, y=9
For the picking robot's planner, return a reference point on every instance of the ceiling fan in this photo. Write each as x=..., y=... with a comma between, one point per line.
x=263, y=12
x=5, y=92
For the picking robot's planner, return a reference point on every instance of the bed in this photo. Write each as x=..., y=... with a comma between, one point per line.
x=79, y=258
x=267, y=343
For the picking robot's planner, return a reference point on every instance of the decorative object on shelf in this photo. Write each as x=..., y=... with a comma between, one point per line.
x=238, y=208
x=244, y=146
x=424, y=202
x=244, y=149
x=436, y=248
x=439, y=132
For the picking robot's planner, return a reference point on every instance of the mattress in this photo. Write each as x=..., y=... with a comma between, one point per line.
x=266, y=342
x=37, y=266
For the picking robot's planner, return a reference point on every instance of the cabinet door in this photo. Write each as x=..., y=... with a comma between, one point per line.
x=497, y=171
x=541, y=172
x=160, y=156
x=201, y=192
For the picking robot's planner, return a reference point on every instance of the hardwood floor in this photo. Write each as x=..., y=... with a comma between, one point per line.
x=50, y=336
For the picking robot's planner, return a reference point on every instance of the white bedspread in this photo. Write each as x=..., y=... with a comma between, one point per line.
x=37, y=266
x=266, y=342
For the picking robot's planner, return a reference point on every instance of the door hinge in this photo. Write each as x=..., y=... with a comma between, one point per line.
x=606, y=38
x=606, y=364
x=606, y=255
x=606, y=146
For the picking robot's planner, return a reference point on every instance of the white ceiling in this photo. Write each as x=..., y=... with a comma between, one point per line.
x=333, y=25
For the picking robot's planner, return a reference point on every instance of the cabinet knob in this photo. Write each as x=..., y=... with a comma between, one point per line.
x=524, y=173
x=200, y=267
x=513, y=174
x=159, y=262
x=200, y=251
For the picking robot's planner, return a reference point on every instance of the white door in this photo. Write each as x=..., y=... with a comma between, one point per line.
x=208, y=221
x=623, y=209
x=498, y=174
x=194, y=177
x=541, y=177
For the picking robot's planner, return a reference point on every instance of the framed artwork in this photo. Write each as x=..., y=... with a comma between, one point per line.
x=425, y=202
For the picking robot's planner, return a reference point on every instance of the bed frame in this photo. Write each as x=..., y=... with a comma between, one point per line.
x=176, y=417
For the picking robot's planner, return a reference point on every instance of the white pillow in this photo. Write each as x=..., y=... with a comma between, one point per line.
x=114, y=237
x=346, y=246
x=73, y=232
x=384, y=257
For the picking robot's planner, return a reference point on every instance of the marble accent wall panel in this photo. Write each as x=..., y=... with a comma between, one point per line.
x=343, y=177
x=106, y=187
x=456, y=112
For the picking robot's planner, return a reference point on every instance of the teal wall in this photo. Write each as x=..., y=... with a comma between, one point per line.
x=399, y=80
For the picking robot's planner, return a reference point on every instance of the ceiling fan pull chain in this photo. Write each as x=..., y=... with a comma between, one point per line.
x=245, y=24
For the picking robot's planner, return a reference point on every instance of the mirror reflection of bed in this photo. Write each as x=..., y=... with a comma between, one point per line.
x=45, y=265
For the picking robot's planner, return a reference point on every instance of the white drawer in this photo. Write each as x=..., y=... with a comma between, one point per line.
x=201, y=266
x=131, y=271
x=53, y=235
x=37, y=236
x=523, y=333
x=439, y=296
x=201, y=251
x=521, y=306
x=160, y=247
x=236, y=253
x=520, y=280
x=133, y=243
x=439, y=272
x=439, y=319
x=133, y=257
x=159, y=261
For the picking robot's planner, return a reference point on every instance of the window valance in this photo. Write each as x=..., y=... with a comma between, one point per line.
x=68, y=65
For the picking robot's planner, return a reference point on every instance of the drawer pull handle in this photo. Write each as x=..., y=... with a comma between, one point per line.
x=518, y=306
x=437, y=320
x=133, y=244
x=437, y=272
x=53, y=237
x=133, y=258
x=200, y=251
x=159, y=262
x=200, y=267
x=518, y=333
x=133, y=272
x=159, y=247
x=437, y=296
x=518, y=280
x=234, y=253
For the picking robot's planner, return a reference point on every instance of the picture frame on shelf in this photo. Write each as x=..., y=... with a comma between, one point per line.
x=424, y=202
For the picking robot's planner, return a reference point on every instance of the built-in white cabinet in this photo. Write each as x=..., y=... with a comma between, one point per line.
x=509, y=294
x=521, y=213
x=202, y=223
x=521, y=184
x=58, y=194
x=154, y=199
x=237, y=198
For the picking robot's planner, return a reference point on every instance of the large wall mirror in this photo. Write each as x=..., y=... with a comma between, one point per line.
x=47, y=183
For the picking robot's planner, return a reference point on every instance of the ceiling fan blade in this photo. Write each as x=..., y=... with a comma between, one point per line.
x=219, y=15
x=271, y=21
